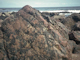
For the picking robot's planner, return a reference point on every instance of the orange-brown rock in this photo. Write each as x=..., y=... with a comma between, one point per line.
x=26, y=35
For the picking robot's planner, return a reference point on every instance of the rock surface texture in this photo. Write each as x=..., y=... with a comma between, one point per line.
x=71, y=20
x=30, y=35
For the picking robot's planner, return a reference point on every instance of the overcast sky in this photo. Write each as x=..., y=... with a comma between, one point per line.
x=39, y=3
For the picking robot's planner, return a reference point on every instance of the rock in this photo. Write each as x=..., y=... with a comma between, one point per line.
x=76, y=27
x=3, y=16
x=1, y=22
x=76, y=17
x=53, y=16
x=57, y=24
x=75, y=35
x=71, y=20
x=59, y=17
x=7, y=14
x=26, y=35
x=0, y=13
x=49, y=14
x=74, y=47
x=75, y=56
x=77, y=50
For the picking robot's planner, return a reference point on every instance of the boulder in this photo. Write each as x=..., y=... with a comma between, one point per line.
x=53, y=16
x=49, y=14
x=71, y=20
x=76, y=53
x=28, y=36
x=4, y=15
x=75, y=35
x=76, y=27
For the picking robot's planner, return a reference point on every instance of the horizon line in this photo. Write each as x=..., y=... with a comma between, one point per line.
x=41, y=7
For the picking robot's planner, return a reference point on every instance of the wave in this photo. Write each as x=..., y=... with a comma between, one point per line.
x=64, y=11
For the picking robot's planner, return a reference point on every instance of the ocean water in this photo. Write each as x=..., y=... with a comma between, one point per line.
x=9, y=9
x=62, y=10
x=59, y=9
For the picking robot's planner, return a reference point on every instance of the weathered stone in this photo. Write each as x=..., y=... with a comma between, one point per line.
x=75, y=56
x=75, y=35
x=28, y=36
x=76, y=27
x=71, y=20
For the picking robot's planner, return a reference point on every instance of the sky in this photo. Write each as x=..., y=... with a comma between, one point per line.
x=39, y=3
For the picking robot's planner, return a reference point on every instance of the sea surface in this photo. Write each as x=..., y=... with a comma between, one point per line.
x=65, y=10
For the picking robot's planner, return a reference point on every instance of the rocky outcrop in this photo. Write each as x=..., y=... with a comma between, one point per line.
x=53, y=16
x=72, y=23
x=71, y=20
x=3, y=16
x=49, y=14
x=27, y=35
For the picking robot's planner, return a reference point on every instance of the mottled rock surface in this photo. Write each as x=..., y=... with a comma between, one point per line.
x=27, y=35
x=71, y=20
x=53, y=16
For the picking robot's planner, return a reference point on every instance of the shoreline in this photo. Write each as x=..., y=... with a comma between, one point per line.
x=57, y=13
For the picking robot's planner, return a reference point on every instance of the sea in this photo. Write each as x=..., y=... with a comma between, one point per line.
x=62, y=10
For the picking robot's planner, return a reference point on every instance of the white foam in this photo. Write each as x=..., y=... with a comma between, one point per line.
x=74, y=11
x=66, y=14
x=63, y=12
x=66, y=11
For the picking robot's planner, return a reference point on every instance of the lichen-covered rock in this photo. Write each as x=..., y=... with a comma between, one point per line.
x=28, y=36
